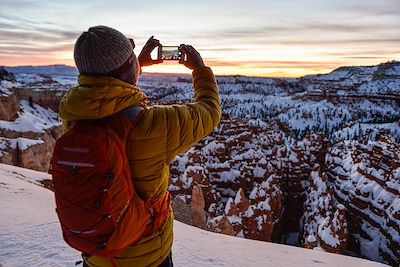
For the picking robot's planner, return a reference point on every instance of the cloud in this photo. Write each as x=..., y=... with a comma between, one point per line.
x=18, y=28
x=304, y=33
x=16, y=19
x=375, y=8
x=222, y=49
x=286, y=64
x=365, y=57
x=343, y=41
x=20, y=36
x=361, y=53
x=27, y=50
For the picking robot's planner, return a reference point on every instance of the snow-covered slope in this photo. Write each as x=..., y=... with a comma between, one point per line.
x=32, y=118
x=30, y=235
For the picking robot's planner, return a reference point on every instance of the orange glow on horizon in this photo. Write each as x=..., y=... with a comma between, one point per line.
x=266, y=69
x=292, y=70
x=36, y=61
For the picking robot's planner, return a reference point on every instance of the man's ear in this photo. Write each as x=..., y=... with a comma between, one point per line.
x=131, y=75
x=137, y=70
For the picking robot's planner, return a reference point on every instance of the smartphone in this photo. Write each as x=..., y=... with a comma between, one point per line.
x=169, y=53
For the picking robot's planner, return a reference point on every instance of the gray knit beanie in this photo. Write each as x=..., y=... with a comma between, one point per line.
x=101, y=50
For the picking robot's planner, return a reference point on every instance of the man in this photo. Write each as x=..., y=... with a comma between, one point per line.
x=109, y=71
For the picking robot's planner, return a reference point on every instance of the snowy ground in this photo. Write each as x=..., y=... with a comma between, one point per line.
x=30, y=235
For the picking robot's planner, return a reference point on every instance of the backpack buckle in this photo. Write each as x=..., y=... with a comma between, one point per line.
x=102, y=245
x=110, y=176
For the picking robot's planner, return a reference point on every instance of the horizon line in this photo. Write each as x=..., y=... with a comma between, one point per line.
x=223, y=75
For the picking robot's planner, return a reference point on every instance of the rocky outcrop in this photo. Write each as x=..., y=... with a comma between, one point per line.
x=323, y=222
x=237, y=171
x=28, y=141
x=389, y=70
x=38, y=157
x=9, y=105
x=297, y=167
x=366, y=179
x=190, y=210
x=6, y=76
x=45, y=96
x=29, y=150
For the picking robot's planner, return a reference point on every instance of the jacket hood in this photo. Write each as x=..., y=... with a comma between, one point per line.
x=99, y=97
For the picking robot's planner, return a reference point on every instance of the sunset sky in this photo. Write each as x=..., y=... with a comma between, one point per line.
x=255, y=37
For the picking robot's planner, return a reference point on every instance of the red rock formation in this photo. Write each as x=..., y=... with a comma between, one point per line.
x=366, y=177
x=296, y=172
x=231, y=165
x=190, y=209
x=9, y=106
x=29, y=140
x=322, y=223
x=47, y=96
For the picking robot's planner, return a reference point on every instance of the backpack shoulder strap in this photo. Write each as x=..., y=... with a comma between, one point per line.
x=133, y=114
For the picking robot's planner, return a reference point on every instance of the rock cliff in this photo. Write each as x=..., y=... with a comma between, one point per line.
x=323, y=222
x=366, y=180
x=27, y=130
x=237, y=171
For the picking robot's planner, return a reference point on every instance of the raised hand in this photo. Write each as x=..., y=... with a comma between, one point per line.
x=190, y=57
x=145, y=57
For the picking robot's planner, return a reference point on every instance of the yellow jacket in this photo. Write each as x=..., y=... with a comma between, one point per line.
x=161, y=133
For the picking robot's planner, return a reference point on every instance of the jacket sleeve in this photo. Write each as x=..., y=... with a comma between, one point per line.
x=163, y=132
x=188, y=124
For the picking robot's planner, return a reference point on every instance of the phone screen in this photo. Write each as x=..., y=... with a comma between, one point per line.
x=170, y=53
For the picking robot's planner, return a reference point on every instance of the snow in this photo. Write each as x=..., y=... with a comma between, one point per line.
x=21, y=142
x=30, y=232
x=234, y=219
x=341, y=207
x=311, y=239
x=238, y=197
x=30, y=236
x=368, y=131
x=5, y=88
x=228, y=205
x=30, y=79
x=257, y=192
x=259, y=172
x=249, y=154
x=229, y=176
x=264, y=205
x=326, y=234
x=212, y=147
x=32, y=119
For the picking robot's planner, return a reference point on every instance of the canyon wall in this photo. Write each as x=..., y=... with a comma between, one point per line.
x=366, y=179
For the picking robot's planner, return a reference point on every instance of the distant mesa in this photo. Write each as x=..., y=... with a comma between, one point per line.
x=45, y=70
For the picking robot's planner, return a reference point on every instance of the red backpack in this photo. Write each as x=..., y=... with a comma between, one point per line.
x=98, y=208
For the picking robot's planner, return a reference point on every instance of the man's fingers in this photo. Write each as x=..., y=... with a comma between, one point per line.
x=150, y=39
x=184, y=49
x=151, y=43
